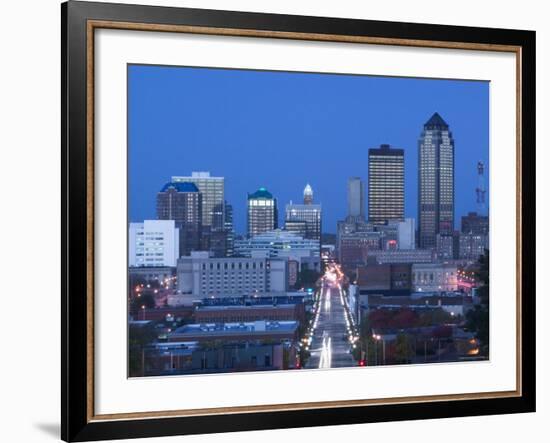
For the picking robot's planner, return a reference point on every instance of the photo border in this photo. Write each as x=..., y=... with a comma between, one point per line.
x=79, y=21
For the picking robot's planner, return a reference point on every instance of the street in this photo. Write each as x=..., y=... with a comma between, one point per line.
x=330, y=347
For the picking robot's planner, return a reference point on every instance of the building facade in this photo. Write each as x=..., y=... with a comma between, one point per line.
x=434, y=277
x=234, y=332
x=353, y=249
x=402, y=256
x=435, y=182
x=212, y=190
x=262, y=212
x=472, y=246
x=474, y=224
x=356, y=198
x=385, y=278
x=297, y=227
x=205, y=276
x=386, y=184
x=447, y=246
x=278, y=243
x=241, y=314
x=182, y=202
x=308, y=213
x=153, y=243
x=406, y=234
x=229, y=230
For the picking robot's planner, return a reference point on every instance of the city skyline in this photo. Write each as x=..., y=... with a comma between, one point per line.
x=275, y=297
x=353, y=156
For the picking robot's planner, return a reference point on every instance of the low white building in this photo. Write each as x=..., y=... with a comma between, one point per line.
x=153, y=243
x=205, y=276
x=278, y=243
x=282, y=244
x=434, y=277
x=406, y=234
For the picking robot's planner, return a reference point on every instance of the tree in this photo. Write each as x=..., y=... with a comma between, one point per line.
x=434, y=316
x=477, y=319
x=304, y=356
x=404, y=318
x=307, y=278
x=404, y=349
x=138, y=338
x=482, y=276
x=137, y=303
x=379, y=318
x=366, y=348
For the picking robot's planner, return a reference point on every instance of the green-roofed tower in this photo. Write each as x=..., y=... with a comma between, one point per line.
x=262, y=212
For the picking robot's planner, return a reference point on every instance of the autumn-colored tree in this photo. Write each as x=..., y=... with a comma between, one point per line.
x=404, y=318
x=379, y=318
x=404, y=348
x=442, y=331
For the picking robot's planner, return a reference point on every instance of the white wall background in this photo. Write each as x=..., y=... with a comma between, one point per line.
x=30, y=220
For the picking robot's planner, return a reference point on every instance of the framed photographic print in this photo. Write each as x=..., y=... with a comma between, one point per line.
x=276, y=221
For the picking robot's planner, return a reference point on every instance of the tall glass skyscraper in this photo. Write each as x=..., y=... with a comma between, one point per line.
x=229, y=230
x=435, y=182
x=212, y=190
x=182, y=202
x=262, y=212
x=386, y=184
x=356, y=198
x=308, y=213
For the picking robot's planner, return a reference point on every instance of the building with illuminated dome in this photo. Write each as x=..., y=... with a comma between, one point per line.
x=261, y=212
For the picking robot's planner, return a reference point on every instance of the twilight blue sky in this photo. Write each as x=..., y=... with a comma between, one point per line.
x=281, y=130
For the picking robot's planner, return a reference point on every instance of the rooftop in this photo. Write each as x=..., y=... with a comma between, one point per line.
x=194, y=176
x=386, y=150
x=247, y=307
x=237, y=328
x=265, y=299
x=180, y=187
x=261, y=193
x=436, y=122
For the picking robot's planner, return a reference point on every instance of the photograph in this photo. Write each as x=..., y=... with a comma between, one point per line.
x=282, y=220
x=300, y=219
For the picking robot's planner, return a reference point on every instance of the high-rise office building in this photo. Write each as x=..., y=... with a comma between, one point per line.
x=182, y=202
x=308, y=212
x=262, y=212
x=472, y=246
x=213, y=193
x=153, y=243
x=435, y=182
x=298, y=227
x=356, y=198
x=386, y=184
x=229, y=230
x=473, y=223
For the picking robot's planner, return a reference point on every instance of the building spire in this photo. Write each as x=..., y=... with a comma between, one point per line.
x=308, y=195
